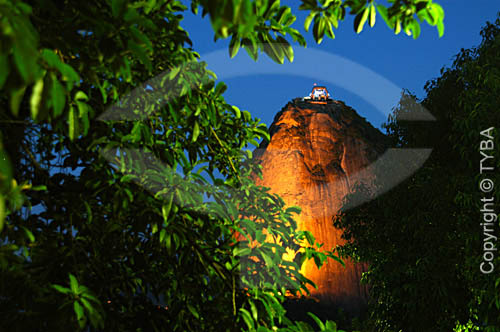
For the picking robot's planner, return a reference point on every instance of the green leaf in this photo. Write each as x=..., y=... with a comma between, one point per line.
x=287, y=48
x=4, y=68
x=173, y=73
x=263, y=133
x=331, y=326
x=220, y=88
x=184, y=89
x=165, y=209
x=141, y=38
x=140, y=52
x=275, y=5
x=58, y=96
x=439, y=10
x=25, y=58
x=168, y=242
x=196, y=131
x=2, y=212
x=247, y=116
x=29, y=234
x=251, y=48
x=310, y=238
x=73, y=284
x=253, y=308
x=373, y=14
x=397, y=26
x=78, y=310
x=317, y=320
x=383, y=13
x=81, y=96
x=87, y=305
x=72, y=124
x=237, y=112
x=129, y=178
x=36, y=97
x=16, y=96
x=272, y=49
x=83, y=113
x=118, y=7
x=309, y=19
x=440, y=27
x=415, y=28
x=247, y=318
x=319, y=29
x=329, y=30
x=136, y=132
x=5, y=166
x=294, y=209
x=69, y=74
x=269, y=262
x=51, y=58
x=360, y=20
x=193, y=311
x=61, y=289
x=242, y=251
x=234, y=46
x=39, y=188
x=53, y=61
x=424, y=16
x=283, y=14
x=433, y=14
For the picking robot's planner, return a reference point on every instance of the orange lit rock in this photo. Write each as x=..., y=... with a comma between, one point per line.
x=311, y=161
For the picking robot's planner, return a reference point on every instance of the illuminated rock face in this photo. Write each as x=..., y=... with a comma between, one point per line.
x=311, y=161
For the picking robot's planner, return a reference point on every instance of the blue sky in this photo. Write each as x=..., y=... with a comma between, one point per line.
x=367, y=71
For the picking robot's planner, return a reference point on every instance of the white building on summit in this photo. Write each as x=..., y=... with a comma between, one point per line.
x=318, y=95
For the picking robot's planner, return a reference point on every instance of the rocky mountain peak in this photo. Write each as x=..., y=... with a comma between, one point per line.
x=311, y=161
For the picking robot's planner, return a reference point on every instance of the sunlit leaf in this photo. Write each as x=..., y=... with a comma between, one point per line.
x=72, y=123
x=287, y=48
x=196, y=131
x=36, y=97
x=360, y=20
x=308, y=21
x=440, y=27
x=234, y=46
x=81, y=96
x=373, y=14
x=247, y=318
x=415, y=27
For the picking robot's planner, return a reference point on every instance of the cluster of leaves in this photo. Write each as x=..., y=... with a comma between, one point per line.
x=401, y=15
x=134, y=186
x=424, y=239
x=262, y=25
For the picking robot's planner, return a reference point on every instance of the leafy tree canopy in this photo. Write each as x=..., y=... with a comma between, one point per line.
x=123, y=171
x=426, y=239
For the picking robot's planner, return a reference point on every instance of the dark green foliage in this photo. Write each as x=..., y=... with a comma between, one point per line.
x=423, y=239
x=123, y=176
